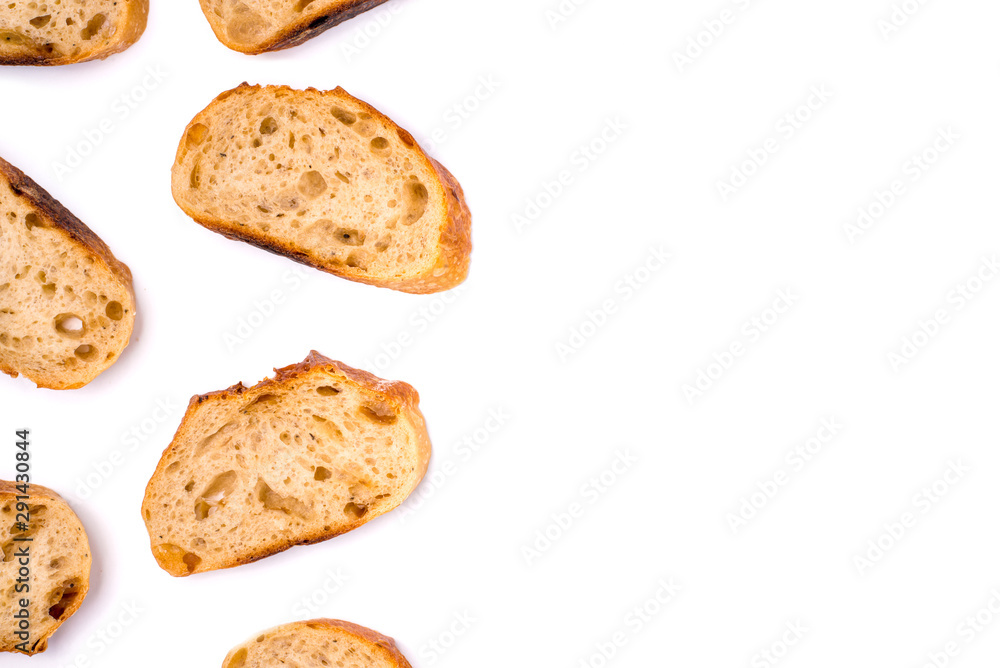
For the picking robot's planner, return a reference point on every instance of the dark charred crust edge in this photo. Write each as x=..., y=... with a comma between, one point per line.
x=456, y=234
x=135, y=26
x=304, y=30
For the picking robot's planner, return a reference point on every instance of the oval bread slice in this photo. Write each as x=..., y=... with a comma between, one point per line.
x=58, y=565
x=313, y=453
x=327, y=180
x=62, y=32
x=257, y=26
x=319, y=643
x=67, y=306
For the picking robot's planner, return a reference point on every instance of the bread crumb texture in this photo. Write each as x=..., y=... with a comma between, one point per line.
x=60, y=32
x=66, y=304
x=327, y=180
x=313, y=453
x=59, y=565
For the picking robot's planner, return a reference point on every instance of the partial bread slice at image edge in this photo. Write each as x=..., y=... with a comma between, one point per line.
x=67, y=305
x=254, y=28
x=64, y=33
x=324, y=179
x=59, y=562
x=318, y=643
x=317, y=451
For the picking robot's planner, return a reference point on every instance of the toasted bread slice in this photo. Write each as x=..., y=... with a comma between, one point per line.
x=61, y=33
x=318, y=644
x=66, y=303
x=257, y=26
x=325, y=179
x=58, y=565
x=313, y=453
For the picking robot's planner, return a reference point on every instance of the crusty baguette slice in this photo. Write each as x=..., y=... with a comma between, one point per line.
x=60, y=32
x=66, y=303
x=313, y=453
x=58, y=566
x=319, y=643
x=257, y=26
x=326, y=180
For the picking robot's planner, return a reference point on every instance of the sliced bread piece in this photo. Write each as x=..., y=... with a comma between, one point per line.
x=319, y=643
x=257, y=26
x=313, y=453
x=58, y=565
x=325, y=179
x=57, y=32
x=66, y=303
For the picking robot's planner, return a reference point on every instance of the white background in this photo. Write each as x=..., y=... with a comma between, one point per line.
x=535, y=286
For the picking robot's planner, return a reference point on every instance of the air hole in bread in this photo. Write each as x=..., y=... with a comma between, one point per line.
x=32, y=221
x=196, y=175
x=246, y=26
x=355, y=510
x=62, y=598
x=312, y=184
x=70, y=325
x=274, y=501
x=196, y=135
x=262, y=401
x=346, y=117
x=268, y=126
x=357, y=260
x=114, y=311
x=415, y=196
x=380, y=146
x=327, y=390
x=85, y=352
x=94, y=26
x=214, y=496
x=322, y=473
x=349, y=237
x=381, y=413
x=176, y=557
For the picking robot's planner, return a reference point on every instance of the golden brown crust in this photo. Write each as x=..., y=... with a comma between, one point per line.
x=134, y=24
x=402, y=396
x=9, y=490
x=377, y=643
x=301, y=31
x=63, y=220
x=456, y=230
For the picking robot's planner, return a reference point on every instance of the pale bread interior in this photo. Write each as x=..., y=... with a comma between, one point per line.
x=59, y=566
x=64, y=315
x=317, y=174
x=60, y=28
x=309, y=645
x=251, y=23
x=298, y=461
